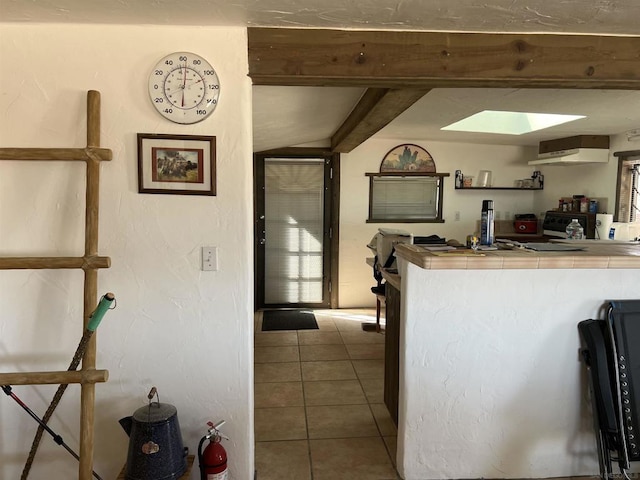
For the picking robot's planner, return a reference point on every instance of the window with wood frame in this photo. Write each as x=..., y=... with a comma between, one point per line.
x=405, y=197
x=627, y=192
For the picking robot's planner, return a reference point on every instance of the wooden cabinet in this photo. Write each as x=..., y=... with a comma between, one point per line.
x=392, y=351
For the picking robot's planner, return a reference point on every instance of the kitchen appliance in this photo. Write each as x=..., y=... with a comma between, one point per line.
x=555, y=223
x=383, y=244
x=576, y=150
x=525, y=223
x=156, y=450
x=487, y=223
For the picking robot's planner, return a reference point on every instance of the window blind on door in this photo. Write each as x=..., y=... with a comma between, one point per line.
x=294, y=220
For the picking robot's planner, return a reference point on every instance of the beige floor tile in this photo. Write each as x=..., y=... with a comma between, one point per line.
x=272, y=339
x=383, y=419
x=319, y=338
x=283, y=460
x=352, y=319
x=373, y=389
x=366, y=351
x=326, y=324
x=350, y=459
x=285, y=394
x=284, y=423
x=369, y=368
x=276, y=354
x=328, y=370
x=277, y=372
x=351, y=337
x=332, y=372
x=353, y=324
x=392, y=446
x=313, y=353
x=334, y=392
x=341, y=421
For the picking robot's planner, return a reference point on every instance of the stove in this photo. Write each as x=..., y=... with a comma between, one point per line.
x=555, y=223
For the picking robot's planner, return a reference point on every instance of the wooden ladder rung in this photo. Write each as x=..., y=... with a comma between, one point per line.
x=35, y=263
x=59, y=377
x=54, y=154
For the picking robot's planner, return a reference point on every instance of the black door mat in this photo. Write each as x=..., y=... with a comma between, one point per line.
x=288, y=320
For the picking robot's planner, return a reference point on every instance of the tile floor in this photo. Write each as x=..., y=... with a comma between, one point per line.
x=319, y=411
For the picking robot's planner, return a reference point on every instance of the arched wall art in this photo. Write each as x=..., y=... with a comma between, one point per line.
x=408, y=158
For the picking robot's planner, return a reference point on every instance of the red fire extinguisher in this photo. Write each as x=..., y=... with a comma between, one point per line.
x=213, y=460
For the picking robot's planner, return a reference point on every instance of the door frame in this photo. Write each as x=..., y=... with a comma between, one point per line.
x=331, y=232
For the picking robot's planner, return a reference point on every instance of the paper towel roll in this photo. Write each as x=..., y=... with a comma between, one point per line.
x=603, y=224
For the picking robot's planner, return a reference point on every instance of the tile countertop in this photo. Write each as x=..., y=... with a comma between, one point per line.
x=596, y=256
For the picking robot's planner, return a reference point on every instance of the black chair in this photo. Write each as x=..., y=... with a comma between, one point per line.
x=611, y=354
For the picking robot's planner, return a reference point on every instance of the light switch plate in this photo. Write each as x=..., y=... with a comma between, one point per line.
x=209, y=259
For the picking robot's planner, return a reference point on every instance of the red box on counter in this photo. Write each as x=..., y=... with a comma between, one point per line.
x=525, y=223
x=526, y=226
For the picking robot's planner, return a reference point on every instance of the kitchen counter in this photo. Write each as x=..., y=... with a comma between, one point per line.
x=489, y=362
x=525, y=237
x=597, y=255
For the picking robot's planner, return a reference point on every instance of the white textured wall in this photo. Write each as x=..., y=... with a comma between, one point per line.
x=491, y=384
x=506, y=163
x=185, y=331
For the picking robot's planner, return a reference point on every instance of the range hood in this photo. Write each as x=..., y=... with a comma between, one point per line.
x=578, y=150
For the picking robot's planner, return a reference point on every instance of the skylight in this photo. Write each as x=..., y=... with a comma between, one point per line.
x=509, y=123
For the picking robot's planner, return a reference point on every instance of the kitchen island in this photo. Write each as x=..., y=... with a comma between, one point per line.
x=491, y=385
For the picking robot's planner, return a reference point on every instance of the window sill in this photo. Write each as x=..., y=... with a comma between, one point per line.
x=405, y=220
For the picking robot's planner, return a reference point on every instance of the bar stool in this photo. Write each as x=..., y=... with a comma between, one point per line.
x=379, y=292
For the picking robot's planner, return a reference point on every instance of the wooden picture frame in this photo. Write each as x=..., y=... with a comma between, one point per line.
x=176, y=164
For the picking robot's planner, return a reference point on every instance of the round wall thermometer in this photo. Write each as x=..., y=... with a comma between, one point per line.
x=184, y=87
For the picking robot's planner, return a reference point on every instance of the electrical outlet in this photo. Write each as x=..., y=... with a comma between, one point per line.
x=209, y=259
x=498, y=214
x=507, y=215
x=457, y=216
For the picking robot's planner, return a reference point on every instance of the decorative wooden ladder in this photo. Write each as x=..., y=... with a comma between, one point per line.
x=88, y=376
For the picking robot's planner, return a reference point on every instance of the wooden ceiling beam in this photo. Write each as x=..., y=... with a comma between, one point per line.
x=399, y=59
x=376, y=109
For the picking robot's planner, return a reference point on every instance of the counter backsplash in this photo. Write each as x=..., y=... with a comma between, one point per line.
x=506, y=226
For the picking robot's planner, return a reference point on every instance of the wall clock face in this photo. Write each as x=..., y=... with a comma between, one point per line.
x=184, y=88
